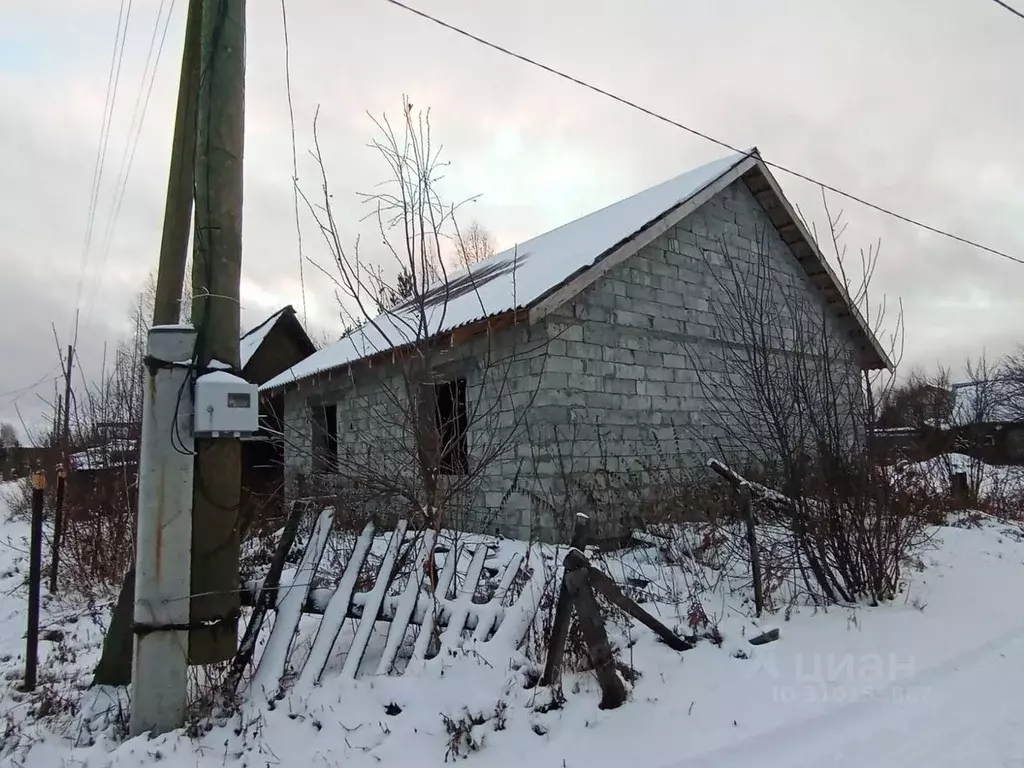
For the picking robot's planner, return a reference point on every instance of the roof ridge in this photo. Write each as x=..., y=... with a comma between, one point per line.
x=266, y=320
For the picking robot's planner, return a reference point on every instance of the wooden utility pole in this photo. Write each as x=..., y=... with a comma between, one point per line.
x=178, y=208
x=115, y=665
x=216, y=278
x=65, y=458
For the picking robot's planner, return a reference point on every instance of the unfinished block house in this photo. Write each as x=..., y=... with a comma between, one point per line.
x=581, y=352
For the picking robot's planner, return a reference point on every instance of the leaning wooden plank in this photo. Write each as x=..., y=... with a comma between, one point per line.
x=336, y=611
x=266, y=598
x=373, y=601
x=452, y=635
x=487, y=619
x=268, y=674
x=419, y=652
x=406, y=605
x=604, y=584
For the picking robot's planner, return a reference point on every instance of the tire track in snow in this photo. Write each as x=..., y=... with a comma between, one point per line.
x=969, y=712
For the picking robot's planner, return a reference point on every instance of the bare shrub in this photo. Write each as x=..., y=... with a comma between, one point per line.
x=796, y=403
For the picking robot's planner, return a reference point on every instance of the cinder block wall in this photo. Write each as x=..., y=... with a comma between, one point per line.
x=640, y=369
x=634, y=370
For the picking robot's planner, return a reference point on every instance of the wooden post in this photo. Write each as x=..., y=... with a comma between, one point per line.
x=65, y=453
x=216, y=277
x=563, y=610
x=58, y=512
x=577, y=584
x=961, y=493
x=35, y=578
x=170, y=275
x=747, y=515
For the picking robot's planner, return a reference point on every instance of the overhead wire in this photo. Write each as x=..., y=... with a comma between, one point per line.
x=110, y=100
x=132, y=142
x=700, y=134
x=295, y=159
x=1010, y=8
x=20, y=392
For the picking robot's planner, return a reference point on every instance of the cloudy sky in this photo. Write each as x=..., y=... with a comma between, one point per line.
x=914, y=105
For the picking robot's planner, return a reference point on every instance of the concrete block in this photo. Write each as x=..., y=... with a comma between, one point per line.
x=557, y=364
x=565, y=331
x=630, y=318
x=621, y=386
x=617, y=355
x=583, y=351
x=648, y=359
x=624, y=371
x=598, y=368
x=666, y=325
x=650, y=387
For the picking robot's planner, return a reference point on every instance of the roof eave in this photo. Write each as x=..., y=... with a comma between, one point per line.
x=804, y=247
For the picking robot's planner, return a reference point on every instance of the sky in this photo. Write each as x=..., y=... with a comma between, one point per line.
x=911, y=105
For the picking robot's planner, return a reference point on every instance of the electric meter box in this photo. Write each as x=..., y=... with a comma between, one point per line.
x=226, y=406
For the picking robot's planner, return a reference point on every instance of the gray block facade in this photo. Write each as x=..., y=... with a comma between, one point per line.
x=638, y=369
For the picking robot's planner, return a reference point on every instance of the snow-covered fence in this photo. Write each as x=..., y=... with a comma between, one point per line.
x=446, y=617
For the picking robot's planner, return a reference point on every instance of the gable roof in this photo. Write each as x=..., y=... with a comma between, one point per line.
x=543, y=273
x=251, y=341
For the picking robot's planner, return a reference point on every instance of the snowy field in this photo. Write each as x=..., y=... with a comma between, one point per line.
x=932, y=679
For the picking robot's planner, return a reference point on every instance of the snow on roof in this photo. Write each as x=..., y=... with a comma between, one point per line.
x=252, y=339
x=515, y=278
x=989, y=401
x=115, y=453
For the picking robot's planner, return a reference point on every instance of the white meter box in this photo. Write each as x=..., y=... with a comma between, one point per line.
x=226, y=406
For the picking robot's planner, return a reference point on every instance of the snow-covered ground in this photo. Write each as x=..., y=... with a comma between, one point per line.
x=931, y=679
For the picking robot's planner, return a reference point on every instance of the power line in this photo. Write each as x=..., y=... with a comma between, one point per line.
x=295, y=160
x=113, y=77
x=20, y=392
x=132, y=142
x=1010, y=8
x=707, y=137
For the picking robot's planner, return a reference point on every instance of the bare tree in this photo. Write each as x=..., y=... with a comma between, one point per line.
x=788, y=399
x=919, y=401
x=475, y=245
x=425, y=416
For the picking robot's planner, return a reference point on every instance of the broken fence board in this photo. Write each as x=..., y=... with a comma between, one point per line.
x=406, y=605
x=275, y=655
x=373, y=603
x=511, y=570
x=452, y=636
x=435, y=606
x=336, y=612
x=266, y=598
x=486, y=622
